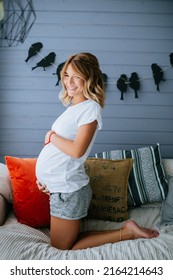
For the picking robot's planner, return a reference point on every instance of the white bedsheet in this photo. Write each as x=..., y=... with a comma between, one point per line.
x=20, y=242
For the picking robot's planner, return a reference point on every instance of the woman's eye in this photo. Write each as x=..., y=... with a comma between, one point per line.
x=76, y=77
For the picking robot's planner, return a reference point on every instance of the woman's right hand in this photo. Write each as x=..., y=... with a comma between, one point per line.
x=42, y=188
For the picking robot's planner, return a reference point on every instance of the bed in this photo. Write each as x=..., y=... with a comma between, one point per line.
x=19, y=241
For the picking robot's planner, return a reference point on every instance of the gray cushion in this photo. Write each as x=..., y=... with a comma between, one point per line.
x=167, y=206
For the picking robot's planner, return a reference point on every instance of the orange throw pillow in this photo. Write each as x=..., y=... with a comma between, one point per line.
x=31, y=206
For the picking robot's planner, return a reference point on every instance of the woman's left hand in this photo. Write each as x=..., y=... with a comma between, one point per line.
x=47, y=137
x=42, y=188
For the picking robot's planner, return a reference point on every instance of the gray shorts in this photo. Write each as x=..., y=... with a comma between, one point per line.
x=71, y=206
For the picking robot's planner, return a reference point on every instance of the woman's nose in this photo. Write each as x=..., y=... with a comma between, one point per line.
x=71, y=80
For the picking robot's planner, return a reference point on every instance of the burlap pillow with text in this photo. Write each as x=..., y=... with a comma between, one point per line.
x=108, y=180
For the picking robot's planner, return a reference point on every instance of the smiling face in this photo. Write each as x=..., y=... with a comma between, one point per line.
x=82, y=79
x=74, y=85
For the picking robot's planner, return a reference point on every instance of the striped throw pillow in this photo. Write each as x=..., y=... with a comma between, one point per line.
x=147, y=182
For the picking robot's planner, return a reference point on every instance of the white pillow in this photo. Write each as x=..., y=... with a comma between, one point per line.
x=168, y=166
x=4, y=206
x=5, y=183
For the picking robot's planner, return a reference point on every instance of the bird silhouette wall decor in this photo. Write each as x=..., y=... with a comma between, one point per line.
x=171, y=59
x=134, y=83
x=157, y=75
x=122, y=85
x=122, y=82
x=33, y=50
x=105, y=77
x=58, y=71
x=46, y=61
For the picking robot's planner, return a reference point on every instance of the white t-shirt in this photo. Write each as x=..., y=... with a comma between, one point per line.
x=57, y=170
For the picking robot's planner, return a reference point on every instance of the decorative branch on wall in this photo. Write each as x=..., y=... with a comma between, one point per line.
x=19, y=17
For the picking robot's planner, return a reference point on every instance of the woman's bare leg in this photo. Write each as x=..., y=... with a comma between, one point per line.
x=130, y=230
x=65, y=234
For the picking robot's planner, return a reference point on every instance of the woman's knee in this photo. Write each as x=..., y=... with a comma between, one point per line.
x=63, y=245
x=64, y=233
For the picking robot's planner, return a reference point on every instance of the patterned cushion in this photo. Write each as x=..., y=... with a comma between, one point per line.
x=147, y=182
x=108, y=180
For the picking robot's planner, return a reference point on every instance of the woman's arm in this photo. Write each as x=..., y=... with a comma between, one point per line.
x=77, y=147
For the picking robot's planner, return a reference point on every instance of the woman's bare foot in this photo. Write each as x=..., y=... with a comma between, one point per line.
x=131, y=230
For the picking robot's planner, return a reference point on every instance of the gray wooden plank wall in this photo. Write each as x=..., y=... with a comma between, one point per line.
x=126, y=36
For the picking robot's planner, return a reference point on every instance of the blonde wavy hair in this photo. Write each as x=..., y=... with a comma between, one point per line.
x=86, y=65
